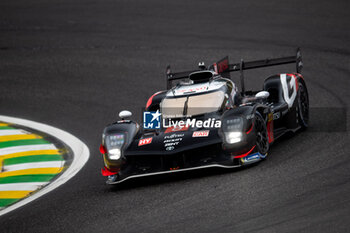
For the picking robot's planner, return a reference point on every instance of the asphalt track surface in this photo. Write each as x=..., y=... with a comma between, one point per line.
x=74, y=64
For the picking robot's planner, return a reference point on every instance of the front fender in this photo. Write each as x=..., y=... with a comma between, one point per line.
x=247, y=114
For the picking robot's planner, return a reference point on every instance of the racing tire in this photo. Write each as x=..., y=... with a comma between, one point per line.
x=303, y=106
x=262, y=139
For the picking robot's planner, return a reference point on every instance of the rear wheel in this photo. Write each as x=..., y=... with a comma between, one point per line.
x=303, y=106
x=262, y=139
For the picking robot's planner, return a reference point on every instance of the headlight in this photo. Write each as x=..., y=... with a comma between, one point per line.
x=114, y=154
x=114, y=144
x=235, y=124
x=233, y=137
x=233, y=129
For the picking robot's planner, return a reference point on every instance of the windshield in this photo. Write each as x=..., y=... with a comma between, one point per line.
x=191, y=105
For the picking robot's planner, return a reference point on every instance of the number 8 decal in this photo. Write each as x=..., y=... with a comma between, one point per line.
x=289, y=85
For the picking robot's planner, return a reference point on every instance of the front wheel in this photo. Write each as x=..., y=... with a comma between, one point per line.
x=262, y=139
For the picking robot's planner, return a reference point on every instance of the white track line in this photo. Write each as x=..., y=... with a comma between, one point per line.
x=30, y=186
x=16, y=149
x=80, y=151
x=6, y=132
x=22, y=166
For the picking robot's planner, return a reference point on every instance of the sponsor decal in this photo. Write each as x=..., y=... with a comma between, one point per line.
x=203, y=133
x=151, y=120
x=169, y=148
x=196, y=88
x=172, y=140
x=276, y=115
x=176, y=128
x=174, y=136
x=251, y=158
x=145, y=141
x=250, y=116
x=193, y=89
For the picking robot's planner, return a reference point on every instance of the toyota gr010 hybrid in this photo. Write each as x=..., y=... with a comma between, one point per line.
x=205, y=121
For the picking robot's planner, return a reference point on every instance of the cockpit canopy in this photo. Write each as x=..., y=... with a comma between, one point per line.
x=191, y=105
x=196, y=99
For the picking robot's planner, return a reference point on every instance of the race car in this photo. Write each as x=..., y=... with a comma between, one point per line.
x=205, y=121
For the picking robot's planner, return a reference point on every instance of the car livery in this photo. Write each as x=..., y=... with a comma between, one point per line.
x=207, y=122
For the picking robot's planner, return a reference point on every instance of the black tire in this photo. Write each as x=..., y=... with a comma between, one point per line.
x=303, y=106
x=262, y=138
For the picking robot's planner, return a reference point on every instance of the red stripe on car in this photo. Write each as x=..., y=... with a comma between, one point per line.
x=270, y=131
x=244, y=155
x=106, y=172
x=251, y=128
x=149, y=101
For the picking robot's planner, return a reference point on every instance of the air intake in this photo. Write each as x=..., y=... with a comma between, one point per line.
x=201, y=76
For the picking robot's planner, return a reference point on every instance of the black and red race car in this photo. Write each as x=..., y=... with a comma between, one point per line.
x=205, y=121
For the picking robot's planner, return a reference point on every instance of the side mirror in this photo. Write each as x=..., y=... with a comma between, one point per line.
x=125, y=114
x=262, y=95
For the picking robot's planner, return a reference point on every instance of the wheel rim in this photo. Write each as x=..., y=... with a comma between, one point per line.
x=261, y=135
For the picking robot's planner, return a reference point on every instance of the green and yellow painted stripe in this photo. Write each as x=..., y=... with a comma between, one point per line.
x=27, y=163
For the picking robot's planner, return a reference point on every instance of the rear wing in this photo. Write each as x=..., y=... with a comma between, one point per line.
x=223, y=67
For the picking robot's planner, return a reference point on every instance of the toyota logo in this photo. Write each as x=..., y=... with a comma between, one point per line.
x=170, y=148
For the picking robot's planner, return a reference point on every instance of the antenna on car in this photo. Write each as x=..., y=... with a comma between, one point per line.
x=168, y=75
x=299, y=61
x=242, y=76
